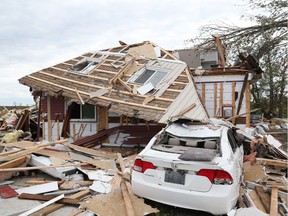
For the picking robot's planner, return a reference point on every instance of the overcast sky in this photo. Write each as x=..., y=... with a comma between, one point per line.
x=35, y=34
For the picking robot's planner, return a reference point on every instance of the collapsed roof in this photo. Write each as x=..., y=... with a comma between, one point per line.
x=140, y=80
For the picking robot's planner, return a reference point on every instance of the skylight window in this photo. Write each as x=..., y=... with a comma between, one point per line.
x=86, y=65
x=148, y=76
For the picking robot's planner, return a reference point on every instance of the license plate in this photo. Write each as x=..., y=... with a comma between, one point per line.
x=174, y=177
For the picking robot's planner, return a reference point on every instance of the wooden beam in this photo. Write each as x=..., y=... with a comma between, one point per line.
x=242, y=93
x=54, y=207
x=125, y=85
x=233, y=101
x=47, y=198
x=41, y=167
x=221, y=51
x=278, y=163
x=247, y=104
x=94, y=86
x=233, y=117
x=30, y=150
x=215, y=99
x=187, y=109
x=49, y=118
x=203, y=93
x=101, y=97
x=221, y=98
x=122, y=71
x=127, y=200
x=264, y=197
x=43, y=205
x=79, y=96
x=274, y=201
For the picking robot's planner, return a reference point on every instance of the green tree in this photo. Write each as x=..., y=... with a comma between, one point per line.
x=267, y=42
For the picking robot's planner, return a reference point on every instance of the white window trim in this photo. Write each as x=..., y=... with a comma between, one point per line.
x=91, y=60
x=85, y=120
x=140, y=72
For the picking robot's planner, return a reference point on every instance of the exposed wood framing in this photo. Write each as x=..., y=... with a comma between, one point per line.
x=234, y=117
x=248, y=104
x=242, y=93
x=122, y=71
x=233, y=102
x=215, y=99
x=103, y=122
x=125, y=85
x=96, y=86
x=49, y=118
x=203, y=93
x=102, y=97
x=221, y=99
x=79, y=96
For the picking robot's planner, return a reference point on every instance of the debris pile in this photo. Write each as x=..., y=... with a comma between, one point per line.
x=90, y=180
x=264, y=190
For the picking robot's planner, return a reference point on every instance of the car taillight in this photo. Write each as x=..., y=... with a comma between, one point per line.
x=142, y=166
x=216, y=176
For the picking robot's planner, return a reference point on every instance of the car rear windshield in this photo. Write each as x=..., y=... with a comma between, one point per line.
x=169, y=143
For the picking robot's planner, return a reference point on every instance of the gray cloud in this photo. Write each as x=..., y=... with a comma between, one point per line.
x=35, y=34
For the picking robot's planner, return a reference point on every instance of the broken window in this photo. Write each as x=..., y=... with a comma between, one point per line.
x=86, y=65
x=148, y=76
x=85, y=112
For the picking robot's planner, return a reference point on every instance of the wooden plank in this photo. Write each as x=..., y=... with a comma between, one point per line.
x=96, y=152
x=43, y=205
x=215, y=99
x=49, y=118
x=203, y=94
x=41, y=167
x=273, y=162
x=54, y=207
x=48, y=197
x=127, y=200
x=236, y=116
x=18, y=162
x=233, y=102
x=101, y=97
x=274, y=201
x=124, y=84
x=30, y=150
x=187, y=109
x=79, y=96
x=247, y=104
x=221, y=99
x=264, y=197
x=94, y=86
x=256, y=201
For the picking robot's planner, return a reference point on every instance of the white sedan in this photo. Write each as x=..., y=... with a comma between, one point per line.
x=193, y=166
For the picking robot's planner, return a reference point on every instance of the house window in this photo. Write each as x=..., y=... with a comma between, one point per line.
x=84, y=112
x=86, y=65
x=148, y=76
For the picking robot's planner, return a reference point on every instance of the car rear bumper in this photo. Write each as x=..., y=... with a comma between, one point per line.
x=219, y=200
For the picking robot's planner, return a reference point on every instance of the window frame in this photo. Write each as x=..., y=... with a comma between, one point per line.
x=138, y=74
x=90, y=61
x=95, y=119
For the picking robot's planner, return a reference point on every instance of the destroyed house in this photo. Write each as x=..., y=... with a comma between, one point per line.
x=102, y=89
x=224, y=90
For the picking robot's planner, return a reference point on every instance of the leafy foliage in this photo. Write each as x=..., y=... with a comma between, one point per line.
x=267, y=42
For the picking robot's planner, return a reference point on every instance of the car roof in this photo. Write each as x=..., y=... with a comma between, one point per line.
x=194, y=130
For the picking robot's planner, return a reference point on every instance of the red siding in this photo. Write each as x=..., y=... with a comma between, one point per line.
x=57, y=106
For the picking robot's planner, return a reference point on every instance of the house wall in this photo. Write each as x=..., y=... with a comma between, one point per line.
x=221, y=94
